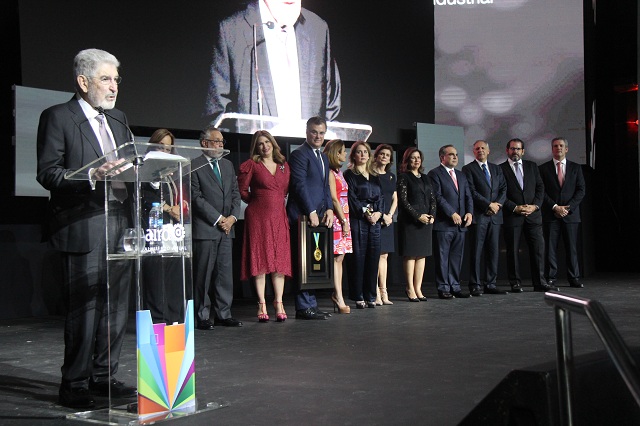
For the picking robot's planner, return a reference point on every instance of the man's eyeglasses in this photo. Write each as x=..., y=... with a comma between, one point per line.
x=221, y=141
x=106, y=81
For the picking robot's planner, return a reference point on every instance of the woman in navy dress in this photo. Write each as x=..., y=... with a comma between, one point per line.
x=383, y=159
x=365, y=210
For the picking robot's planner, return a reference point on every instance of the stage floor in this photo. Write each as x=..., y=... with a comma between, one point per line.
x=427, y=363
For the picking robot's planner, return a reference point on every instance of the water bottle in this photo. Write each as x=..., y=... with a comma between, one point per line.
x=155, y=227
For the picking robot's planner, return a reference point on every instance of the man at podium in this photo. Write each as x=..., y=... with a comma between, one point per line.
x=274, y=58
x=70, y=136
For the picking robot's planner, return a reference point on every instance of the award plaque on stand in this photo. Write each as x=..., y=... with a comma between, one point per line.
x=315, y=255
x=157, y=256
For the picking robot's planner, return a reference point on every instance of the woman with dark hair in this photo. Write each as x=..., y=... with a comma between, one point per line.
x=263, y=182
x=342, y=242
x=416, y=214
x=383, y=159
x=365, y=210
x=164, y=290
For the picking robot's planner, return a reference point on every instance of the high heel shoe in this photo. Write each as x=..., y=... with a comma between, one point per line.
x=262, y=316
x=378, y=301
x=411, y=299
x=280, y=316
x=385, y=297
x=360, y=304
x=341, y=309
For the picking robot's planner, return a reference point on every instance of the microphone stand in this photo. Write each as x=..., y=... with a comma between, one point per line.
x=255, y=64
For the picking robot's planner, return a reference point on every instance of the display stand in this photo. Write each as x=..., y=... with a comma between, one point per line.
x=250, y=123
x=157, y=262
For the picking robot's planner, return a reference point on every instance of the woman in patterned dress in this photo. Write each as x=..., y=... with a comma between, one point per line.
x=342, y=243
x=263, y=183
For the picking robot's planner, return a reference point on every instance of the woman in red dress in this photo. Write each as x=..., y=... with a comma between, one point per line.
x=263, y=182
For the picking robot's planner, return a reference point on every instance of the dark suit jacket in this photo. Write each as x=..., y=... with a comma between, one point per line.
x=571, y=193
x=448, y=199
x=533, y=193
x=67, y=142
x=484, y=194
x=308, y=188
x=233, y=87
x=210, y=199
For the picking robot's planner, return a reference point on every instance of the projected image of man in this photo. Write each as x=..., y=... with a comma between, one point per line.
x=289, y=74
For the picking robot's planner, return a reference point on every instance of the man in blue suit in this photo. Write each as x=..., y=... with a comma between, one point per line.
x=488, y=190
x=310, y=196
x=453, y=216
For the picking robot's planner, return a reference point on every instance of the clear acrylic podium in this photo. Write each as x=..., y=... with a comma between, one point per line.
x=251, y=123
x=157, y=263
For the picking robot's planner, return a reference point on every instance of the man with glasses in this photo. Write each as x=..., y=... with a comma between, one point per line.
x=70, y=136
x=525, y=194
x=215, y=203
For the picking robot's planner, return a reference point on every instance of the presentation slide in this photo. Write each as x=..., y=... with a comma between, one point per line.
x=511, y=69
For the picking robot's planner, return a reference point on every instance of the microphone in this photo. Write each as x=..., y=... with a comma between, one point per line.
x=102, y=111
x=271, y=26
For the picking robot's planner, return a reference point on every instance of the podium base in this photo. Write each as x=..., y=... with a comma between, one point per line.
x=128, y=414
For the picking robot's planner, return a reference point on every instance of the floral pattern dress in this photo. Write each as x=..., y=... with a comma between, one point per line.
x=342, y=244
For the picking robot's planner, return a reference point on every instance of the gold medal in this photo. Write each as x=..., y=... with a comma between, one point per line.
x=317, y=254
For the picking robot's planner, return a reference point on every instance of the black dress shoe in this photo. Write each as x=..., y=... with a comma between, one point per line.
x=551, y=281
x=516, y=288
x=75, y=398
x=118, y=389
x=494, y=290
x=205, y=325
x=476, y=291
x=309, y=314
x=544, y=287
x=444, y=295
x=228, y=322
x=326, y=314
x=575, y=284
x=459, y=294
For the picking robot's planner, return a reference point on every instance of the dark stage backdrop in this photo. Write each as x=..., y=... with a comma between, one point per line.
x=384, y=53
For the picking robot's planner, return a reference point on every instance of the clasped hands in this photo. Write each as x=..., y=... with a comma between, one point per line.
x=468, y=218
x=525, y=209
x=225, y=223
x=493, y=209
x=426, y=218
x=561, y=211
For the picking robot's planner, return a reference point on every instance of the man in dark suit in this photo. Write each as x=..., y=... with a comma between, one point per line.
x=294, y=77
x=488, y=190
x=564, y=189
x=70, y=136
x=525, y=193
x=453, y=215
x=215, y=201
x=310, y=196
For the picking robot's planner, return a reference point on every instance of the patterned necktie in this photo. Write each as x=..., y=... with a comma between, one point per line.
x=519, y=174
x=560, y=174
x=453, y=176
x=486, y=174
x=216, y=170
x=118, y=189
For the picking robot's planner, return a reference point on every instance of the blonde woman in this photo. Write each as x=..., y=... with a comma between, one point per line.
x=366, y=205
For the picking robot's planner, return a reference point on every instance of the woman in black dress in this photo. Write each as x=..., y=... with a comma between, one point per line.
x=416, y=214
x=383, y=159
x=365, y=210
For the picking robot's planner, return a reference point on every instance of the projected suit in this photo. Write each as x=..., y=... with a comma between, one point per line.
x=233, y=84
